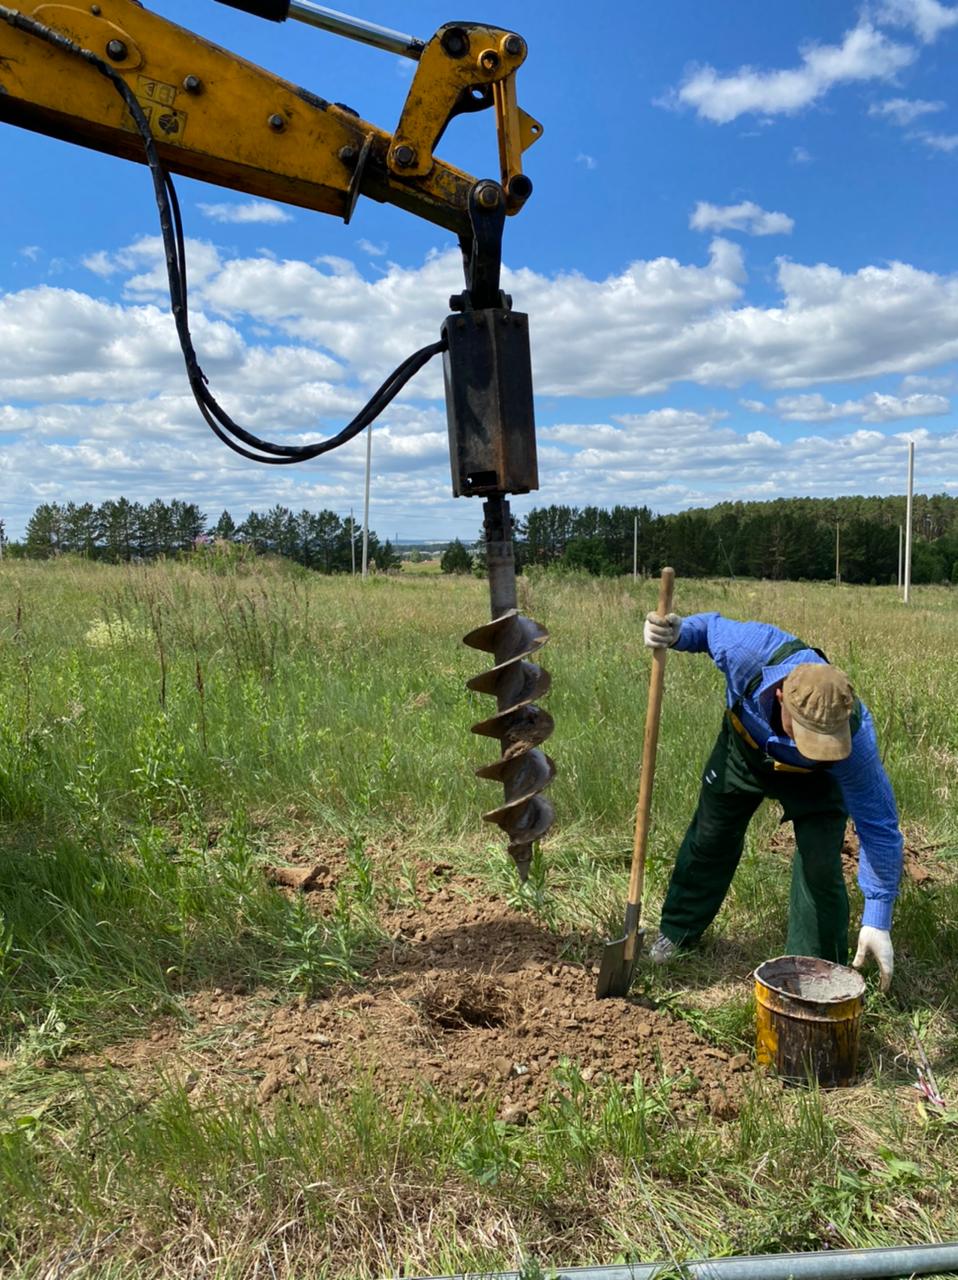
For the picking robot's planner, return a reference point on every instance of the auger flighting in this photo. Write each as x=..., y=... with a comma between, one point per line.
x=516, y=683
x=492, y=449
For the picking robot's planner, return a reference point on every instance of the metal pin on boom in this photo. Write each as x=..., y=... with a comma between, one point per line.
x=516, y=683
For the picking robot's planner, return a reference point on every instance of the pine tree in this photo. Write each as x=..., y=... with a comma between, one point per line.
x=44, y=535
x=225, y=527
x=455, y=559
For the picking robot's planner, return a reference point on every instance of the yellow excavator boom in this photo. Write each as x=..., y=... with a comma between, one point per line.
x=221, y=119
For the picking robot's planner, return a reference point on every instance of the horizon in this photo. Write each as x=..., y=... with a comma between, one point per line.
x=396, y=539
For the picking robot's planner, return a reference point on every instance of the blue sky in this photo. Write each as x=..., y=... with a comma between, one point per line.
x=738, y=262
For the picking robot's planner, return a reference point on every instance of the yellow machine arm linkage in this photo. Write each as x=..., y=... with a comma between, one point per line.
x=219, y=118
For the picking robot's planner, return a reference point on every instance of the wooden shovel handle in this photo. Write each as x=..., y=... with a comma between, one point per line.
x=649, y=746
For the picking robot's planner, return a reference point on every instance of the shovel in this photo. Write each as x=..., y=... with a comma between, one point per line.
x=618, y=957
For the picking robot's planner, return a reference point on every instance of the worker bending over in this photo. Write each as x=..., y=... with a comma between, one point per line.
x=794, y=732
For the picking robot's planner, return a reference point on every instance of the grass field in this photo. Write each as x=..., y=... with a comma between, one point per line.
x=166, y=732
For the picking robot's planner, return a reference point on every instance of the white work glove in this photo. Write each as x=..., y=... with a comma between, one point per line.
x=659, y=632
x=877, y=944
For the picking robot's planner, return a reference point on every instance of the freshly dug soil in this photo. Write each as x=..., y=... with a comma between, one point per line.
x=467, y=997
x=920, y=864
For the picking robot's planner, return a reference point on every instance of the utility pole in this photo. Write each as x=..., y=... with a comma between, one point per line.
x=838, y=544
x=352, y=541
x=908, y=503
x=369, y=459
x=901, y=538
x=731, y=569
x=635, y=548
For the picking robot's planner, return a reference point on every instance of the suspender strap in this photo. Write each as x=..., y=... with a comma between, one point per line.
x=734, y=713
x=781, y=653
x=769, y=761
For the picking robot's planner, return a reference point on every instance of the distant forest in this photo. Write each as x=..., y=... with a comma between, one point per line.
x=789, y=538
x=119, y=530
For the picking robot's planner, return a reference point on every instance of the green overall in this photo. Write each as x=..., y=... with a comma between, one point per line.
x=737, y=777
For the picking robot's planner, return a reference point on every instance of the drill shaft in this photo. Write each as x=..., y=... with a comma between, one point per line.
x=516, y=682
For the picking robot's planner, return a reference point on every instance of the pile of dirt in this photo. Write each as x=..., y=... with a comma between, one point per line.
x=466, y=997
x=919, y=865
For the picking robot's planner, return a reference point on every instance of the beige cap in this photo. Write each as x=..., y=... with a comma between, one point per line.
x=819, y=698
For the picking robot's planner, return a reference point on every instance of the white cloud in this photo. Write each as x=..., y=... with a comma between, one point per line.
x=927, y=18
x=747, y=216
x=145, y=258
x=692, y=460
x=800, y=155
x=374, y=250
x=920, y=382
x=864, y=54
x=627, y=431
x=657, y=322
x=31, y=252
x=662, y=322
x=669, y=458
x=587, y=161
x=251, y=211
x=939, y=141
x=904, y=111
x=97, y=402
x=101, y=263
x=874, y=407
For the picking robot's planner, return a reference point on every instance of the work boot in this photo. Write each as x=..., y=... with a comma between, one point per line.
x=662, y=950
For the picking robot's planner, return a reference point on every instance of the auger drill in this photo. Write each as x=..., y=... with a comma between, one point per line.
x=492, y=448
x=120, y=78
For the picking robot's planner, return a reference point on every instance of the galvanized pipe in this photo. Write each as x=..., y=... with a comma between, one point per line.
x=317, y=15
x=835, y=1264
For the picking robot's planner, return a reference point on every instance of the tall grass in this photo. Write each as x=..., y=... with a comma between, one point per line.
x=162, y=727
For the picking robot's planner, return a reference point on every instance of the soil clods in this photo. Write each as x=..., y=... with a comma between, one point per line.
x=466, y=997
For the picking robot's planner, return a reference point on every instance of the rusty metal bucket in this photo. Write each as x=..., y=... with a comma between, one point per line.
x=808, y=1019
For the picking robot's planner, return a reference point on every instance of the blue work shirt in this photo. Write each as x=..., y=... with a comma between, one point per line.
x=742, y=649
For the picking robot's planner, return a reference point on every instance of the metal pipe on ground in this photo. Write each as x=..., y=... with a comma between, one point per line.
x=836, y=1264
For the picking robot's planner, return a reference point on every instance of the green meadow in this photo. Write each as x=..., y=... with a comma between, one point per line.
x=165, y=728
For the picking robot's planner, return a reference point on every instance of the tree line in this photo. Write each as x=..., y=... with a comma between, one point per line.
x=120, y=531
x=788, y=538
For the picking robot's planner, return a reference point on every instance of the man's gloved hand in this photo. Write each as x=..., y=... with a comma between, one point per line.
x=877, y=944
x=659, y=632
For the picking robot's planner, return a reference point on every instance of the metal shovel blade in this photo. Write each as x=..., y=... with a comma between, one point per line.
x=618, y=960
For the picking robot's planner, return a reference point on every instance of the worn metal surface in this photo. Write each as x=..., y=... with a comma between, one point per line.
x=516, y=683
x=458, y=71
x=837, y=1264
x=808, y=1019
x=222, y=134
x=489, y=403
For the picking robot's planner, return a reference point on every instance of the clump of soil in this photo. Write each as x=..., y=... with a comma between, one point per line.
x=467, y=997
